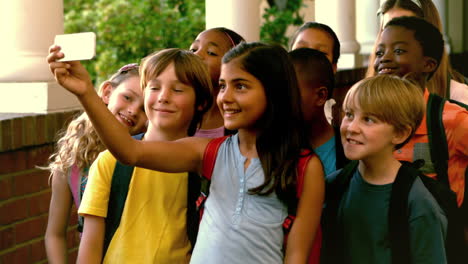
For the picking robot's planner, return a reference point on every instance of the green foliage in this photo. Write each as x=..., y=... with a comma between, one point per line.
x=128, y=30
x=278, y=19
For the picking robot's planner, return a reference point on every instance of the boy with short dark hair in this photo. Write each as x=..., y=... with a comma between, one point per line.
x=412, y=45
x=316, y=81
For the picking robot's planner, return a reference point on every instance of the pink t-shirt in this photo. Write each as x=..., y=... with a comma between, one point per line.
x=210, y=133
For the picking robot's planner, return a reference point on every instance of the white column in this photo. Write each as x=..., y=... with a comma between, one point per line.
x=367, y=24
x=340, y=16
x=27, y=30
x=441, y=7
x=242, y=16
x=456, y=29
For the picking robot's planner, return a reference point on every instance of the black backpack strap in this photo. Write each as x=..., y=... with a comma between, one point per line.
x=341, y=159
x=118, y=195
x=193, y=217
x=398, y=214
x=333, y=244
x=437, y=138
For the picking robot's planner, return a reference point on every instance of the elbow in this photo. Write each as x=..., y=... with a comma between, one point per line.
x=126, y=155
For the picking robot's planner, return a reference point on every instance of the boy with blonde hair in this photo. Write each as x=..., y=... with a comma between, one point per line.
x=381, y=115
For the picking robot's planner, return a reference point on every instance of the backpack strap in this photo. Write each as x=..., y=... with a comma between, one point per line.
x=292, y=210
x=118, y=195
x=398, y=214
x=437, y=138
x=341, y=159
x=333, y=242
x=209, y=160
x=194, y=183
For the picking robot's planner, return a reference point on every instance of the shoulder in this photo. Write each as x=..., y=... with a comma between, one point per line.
x=314, y=170
x=459, y=91
x=455, y=121
x=105, y=156
x=422, y=203
x=103, y=167
x=453, y=114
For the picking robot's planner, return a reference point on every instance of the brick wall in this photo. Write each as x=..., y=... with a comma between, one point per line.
x=27, y=140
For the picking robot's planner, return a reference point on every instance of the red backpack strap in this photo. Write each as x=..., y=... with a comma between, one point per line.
x=209, y=158
x=314, y=255
x=301, y=166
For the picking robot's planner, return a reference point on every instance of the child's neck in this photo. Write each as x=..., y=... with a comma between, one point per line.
x=248, y=143
x=213, y=118
x=379, y=170
x=154, y=133
x=319, y=131
x=248, y=146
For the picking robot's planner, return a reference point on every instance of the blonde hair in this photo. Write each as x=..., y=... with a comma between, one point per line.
x=394, y=100
x=439, y=83
x=190, y=70
x=79, y=144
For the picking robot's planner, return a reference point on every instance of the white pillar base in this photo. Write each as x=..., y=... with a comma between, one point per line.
x=350, y=61
x=36, y=97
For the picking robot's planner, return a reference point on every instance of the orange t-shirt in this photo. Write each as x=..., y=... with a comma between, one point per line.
x=455, y=120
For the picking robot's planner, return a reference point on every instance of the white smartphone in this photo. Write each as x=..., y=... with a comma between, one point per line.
x=77, y=46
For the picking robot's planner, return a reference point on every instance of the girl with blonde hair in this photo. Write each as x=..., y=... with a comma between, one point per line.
x=78, y=147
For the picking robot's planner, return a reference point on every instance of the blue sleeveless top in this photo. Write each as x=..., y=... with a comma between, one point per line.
x=238, y=227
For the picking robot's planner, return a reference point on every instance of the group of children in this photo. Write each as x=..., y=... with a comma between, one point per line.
x=271, y=103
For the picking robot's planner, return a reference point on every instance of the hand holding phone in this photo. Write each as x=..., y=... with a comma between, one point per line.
x=77, y=46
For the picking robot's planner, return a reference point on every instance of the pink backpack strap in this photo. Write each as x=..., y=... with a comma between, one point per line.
x=74, y=183
x=209, y=157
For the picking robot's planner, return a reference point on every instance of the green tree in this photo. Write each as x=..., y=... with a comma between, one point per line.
x=278, y=17
x=128, y=30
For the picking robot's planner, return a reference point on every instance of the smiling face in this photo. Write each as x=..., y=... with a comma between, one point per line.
x=241, y=98
x=126, y=103
x=399, y=53
x=210, y=46
x=169, y=103
x=365, y=137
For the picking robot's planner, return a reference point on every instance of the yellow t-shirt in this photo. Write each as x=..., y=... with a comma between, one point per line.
x=153, y=224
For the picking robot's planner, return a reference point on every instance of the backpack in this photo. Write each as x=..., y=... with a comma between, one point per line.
x=397, y=215
x=209, y=161
x=438, y=143
x=121, y=178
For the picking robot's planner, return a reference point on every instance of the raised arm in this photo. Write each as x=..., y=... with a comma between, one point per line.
x=309, y=211
x=178, y=156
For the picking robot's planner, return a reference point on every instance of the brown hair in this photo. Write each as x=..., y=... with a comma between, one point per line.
x=393, y=100
x=190, y=70
x=439, y=83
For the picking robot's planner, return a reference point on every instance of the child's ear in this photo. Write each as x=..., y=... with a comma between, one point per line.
x=400, y=136
x=430, y=64
x=106, y=91
x=322, y=95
